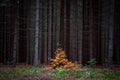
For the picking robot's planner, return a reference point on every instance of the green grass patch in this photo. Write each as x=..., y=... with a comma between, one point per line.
x=20, y=72
x=79, y=74
x=59, y=73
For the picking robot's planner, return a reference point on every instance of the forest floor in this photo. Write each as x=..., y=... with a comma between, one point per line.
x=27, y=72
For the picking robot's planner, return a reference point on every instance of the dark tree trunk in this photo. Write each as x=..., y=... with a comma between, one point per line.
x=80, y=30
x=49, y=28
x=86, y=28
x=58, y=23
x=16, y=34
x=91, y=29
x=111, y=29
x=68, y=28
x=45, y=31
x=62, y=23
x=36, y=62
x=104, y=30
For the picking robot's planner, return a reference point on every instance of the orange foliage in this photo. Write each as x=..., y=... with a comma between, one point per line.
x=60, y=61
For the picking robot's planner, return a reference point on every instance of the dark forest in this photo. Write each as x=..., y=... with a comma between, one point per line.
x=32, y=30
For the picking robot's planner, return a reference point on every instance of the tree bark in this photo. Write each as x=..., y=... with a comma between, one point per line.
x=36, y=61
x=104, y=30
x=16, y=36
x=91, y=29
x=80, y=29
x=49, y=28
x=45, y=31
x=111, y=30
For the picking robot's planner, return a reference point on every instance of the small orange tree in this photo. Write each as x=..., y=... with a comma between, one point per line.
x=60, y=61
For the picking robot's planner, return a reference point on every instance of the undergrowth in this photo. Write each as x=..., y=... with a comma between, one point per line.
x=78, y=74
x=61, y=68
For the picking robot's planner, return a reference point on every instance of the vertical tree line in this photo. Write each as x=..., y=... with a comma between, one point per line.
x=83, y=28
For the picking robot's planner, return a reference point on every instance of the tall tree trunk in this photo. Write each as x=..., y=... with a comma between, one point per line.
x=68, y=28
x=36, y=62
x=86, y=28
x=104, y=30
x=62, y=23
x=65, y=26
x=16, y=34
x=40, y=33
x=32, y=31
x=80, y=29
x=45, y=31
x=29, y=6
x=91, y=29
x=73, y=30
x=5, y=28
x=58, y=23
x=49, y=28
x=111, y=29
